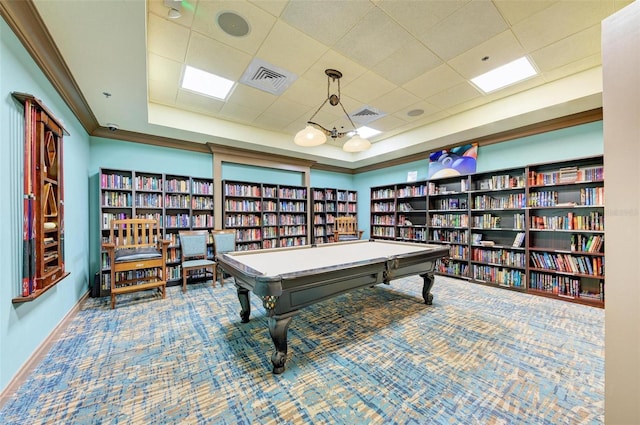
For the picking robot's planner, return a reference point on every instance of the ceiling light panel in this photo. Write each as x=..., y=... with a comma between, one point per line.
x=505, y=75
x=203, y=82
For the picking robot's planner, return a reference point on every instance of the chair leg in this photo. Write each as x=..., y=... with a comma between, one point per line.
x=184, y=281
x=113, y=300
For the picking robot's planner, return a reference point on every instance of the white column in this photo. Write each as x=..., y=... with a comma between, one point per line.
x=621, y=109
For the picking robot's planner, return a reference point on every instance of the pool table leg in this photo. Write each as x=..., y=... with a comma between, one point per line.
x=243, y=296
x=426, y=287
x=278, y=327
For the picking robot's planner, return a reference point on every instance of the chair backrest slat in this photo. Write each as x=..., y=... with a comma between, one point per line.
x=133, y=233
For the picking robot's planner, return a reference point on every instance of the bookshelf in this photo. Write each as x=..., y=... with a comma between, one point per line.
x=383, y=212
x=448, y=222
x=43, y=224
x=265, y=215
x=566, y=229
x=537, y=229
x=497, y=208
x=327, y=204
x=178, y=203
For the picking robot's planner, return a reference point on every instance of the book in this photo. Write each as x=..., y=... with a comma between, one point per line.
x=518, y=240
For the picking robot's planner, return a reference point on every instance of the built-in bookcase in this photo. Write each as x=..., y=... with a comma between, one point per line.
x=177, y=202
x=538, y=229
x=327, y=204
x=266, y=215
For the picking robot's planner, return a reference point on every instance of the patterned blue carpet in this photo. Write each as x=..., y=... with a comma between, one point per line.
x=478, y=355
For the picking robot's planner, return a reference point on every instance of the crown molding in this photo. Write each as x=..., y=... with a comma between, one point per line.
x=26, y=23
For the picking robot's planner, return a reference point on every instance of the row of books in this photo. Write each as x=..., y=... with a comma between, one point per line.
x=242, y=190
x=484, y=202
x=566, y=175
x=591, y=243
x=115, y=181
x=499, y=182
x=593, y=221
x=499, y=256
x=450, y=220
x=456, y=236
x=291, y=193
x=410, y=191
x=383, y=232
x=201, y=203
x=452, y=268
x=499, y=275
x=568, y=263
x=413, y=234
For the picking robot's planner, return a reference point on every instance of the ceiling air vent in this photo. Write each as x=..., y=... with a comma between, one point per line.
x=366, y=115
x=267, y=77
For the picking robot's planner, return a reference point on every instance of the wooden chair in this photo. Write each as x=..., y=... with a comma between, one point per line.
x=193, y=253
x=346, y=229
x=223, y=241
x=136, y=248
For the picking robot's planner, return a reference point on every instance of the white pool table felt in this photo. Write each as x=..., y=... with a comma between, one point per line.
x=279, y=262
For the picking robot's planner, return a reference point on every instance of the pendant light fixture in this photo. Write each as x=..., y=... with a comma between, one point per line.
x=315, y=134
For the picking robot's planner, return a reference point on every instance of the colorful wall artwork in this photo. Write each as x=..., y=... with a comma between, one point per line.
x=458, y=161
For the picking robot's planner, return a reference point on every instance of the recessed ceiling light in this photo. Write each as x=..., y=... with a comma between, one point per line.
x=505, y=75
x=415, y=112
x=206, y=83
x=366, y=132
x=233, y=24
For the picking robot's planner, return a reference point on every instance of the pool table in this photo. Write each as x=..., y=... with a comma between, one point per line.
x=288, y=279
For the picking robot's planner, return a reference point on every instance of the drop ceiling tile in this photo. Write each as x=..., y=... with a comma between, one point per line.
x=238, y=113
x=260, y=23
x=166, y=38
x=250, y=97
x=573, y=68
x=425, y=106
x=441, y=78
x=516, y=11
x=162, y=93
x=467, y=27
x=306, y=92
x=163, y=70
x=326, y=21
x=291, y=49
x=367, y=87
x=394, y=100
x=407, y=63
x=501, y=49
x=560, y=21
x=277, y=122
x=286, y=109
x=454, y=96
x=197, y=103
x=387, y=123
x=568, y=50
x=274, y=7
x=334, y=60
x=373, y=39
x=419, y=16
x=205, y=53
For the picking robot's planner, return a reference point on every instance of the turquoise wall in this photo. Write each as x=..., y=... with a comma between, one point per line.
x=23, y=327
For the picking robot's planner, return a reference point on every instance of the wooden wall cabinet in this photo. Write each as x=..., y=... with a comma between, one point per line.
x=43, y=227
